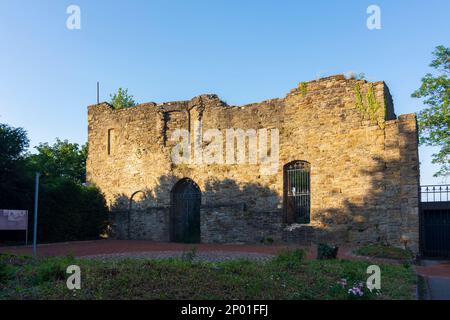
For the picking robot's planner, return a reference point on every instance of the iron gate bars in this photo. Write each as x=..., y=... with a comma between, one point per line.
x=297, y=194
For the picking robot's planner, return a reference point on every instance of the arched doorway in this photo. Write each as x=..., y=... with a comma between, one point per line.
x=185, y=212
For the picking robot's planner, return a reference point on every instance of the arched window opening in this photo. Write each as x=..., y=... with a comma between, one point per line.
x=297, y=192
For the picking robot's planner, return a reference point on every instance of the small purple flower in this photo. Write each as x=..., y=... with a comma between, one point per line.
x=356, y=291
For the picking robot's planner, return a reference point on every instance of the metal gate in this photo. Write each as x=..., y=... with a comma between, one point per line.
x=297, y=192
x=435, y=221
x=185, y=212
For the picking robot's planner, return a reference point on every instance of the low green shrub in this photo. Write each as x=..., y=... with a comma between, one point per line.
x=190, y=255
x=289, y=258
x=69, y=211
x=8, y=264
x=268, y=240
x=49, y=270
x=326, y=251
x=3, y=271
x=382, y=251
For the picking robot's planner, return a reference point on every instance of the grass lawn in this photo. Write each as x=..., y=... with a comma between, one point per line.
x=288, y=276
x=379, y=251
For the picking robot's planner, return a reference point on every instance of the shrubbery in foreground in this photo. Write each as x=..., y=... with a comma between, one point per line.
x=287, y=276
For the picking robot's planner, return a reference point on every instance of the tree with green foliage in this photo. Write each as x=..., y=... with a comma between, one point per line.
x=13, y=145
x=62, y=159
x=14, y=180
x=68, y=210
x=434, y=120
x=121, y=99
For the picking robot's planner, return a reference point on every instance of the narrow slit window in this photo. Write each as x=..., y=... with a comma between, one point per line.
x=110, y=141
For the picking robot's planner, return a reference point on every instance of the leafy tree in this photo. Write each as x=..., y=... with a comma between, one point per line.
x=121, y=99
x=434, y=121
x=68, y=210
x=62, y=159
x=13, y=144
x=15, y=191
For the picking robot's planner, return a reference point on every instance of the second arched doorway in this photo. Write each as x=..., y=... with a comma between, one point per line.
x=185, y=212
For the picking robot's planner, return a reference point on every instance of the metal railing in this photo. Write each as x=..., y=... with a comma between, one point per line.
x=435, y=193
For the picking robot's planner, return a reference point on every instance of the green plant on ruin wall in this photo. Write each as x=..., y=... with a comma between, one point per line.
x=370, y=109
x=359, y=104
x=372, y=104
x=303, y=88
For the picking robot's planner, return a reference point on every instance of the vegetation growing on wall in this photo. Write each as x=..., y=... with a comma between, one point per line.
x=121, y=99
x=359, y=100
x=303, y=88
x=370, y=108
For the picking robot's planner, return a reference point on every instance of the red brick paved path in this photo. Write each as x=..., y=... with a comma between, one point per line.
x=85, y=248
x=96, y=247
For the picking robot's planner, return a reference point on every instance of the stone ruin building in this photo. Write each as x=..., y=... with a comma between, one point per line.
x=345, y=168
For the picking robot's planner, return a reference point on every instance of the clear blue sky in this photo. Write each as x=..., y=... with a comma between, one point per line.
x=245, y=51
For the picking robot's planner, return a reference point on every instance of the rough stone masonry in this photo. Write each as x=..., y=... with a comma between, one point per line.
x=361, y=160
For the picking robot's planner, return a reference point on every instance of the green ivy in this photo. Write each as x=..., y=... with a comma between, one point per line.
x=370, y=109
x=359, y=100
x=373, y=105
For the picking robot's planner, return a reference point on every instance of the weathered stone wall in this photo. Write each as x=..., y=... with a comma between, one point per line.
x=364, y=165
x=235, y=224
x=145, y=224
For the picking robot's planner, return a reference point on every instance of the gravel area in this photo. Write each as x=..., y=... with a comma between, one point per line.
x=209, y=256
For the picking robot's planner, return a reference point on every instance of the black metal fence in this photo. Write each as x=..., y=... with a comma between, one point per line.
x=435, y=220
x=435, y=193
